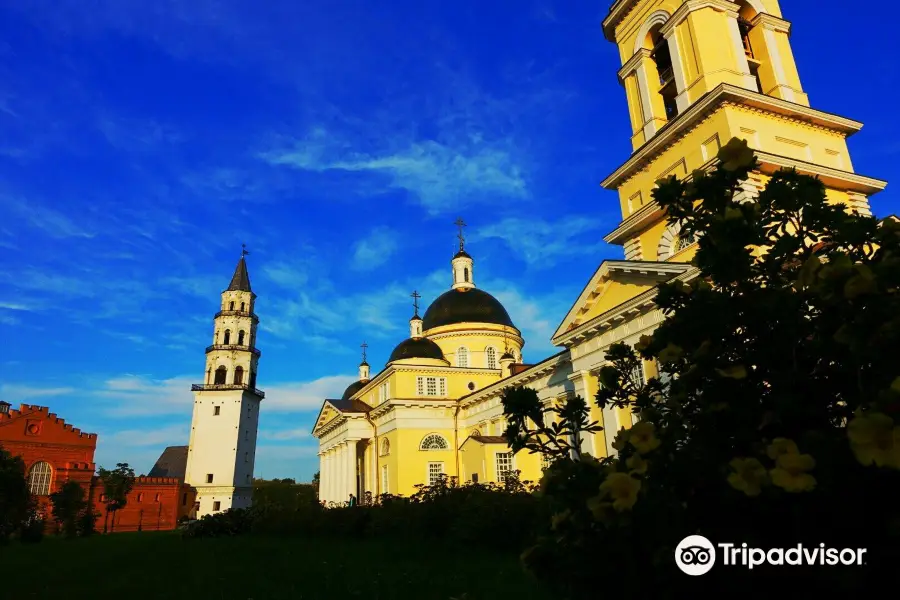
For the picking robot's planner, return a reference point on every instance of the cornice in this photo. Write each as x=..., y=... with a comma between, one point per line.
x=713, y=100
x=690, y=6
x=633, y=63
x=623, y=312
x=771, y=22
x=835, y=178
x=534, y=372
x=618, y=11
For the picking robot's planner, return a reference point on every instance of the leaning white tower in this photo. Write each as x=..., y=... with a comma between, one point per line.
x=226, y=407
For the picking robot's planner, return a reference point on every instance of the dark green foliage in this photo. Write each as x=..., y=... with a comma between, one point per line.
x=87, y=522
x=117, y=484
x=32, y=528
x=493, y=515
x=14, y=495
x=283, y=492
x=68, y=505
x=786, y=348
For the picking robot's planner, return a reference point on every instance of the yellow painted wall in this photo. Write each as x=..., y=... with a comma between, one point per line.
x=415, y=462
x=623, y=288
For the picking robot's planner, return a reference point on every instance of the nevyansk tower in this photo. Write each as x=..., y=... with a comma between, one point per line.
x=226, y=406
x=697, y=73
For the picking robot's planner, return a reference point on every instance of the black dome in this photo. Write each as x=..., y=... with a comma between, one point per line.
x=465, y=306
x=416, y=348
x=352, y=389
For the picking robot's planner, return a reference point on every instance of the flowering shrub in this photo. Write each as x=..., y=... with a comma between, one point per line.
x=776, y=418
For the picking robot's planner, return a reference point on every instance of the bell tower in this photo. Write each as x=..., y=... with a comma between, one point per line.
x=224, y=425
x=697, y=73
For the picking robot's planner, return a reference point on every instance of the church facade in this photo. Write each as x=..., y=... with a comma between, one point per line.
x=696, y=73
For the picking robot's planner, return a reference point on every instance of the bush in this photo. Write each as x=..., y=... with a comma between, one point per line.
x=87, y=522
x=500, y=516
x=777, y=417
x=33, y=528
x=14, y=495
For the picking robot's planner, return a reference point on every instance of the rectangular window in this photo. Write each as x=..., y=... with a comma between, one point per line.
x=420, y=386
x=435, y=470
x=504, y=465
x=246, y=435
x=442, y=386
x=246, y=457
x=248, y=478
x=639, y=374
x=385, y=488
x=217, y=505
x=217, y=410
x=431, y=386
x=209, y=478
x=384, y=392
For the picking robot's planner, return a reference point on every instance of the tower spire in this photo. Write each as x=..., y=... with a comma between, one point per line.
x=415, y=296
x=462, y=263
x=364, y=366
x=240, y=281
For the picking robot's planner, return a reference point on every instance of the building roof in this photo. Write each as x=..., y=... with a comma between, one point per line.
x=350, y=406
x=465, y=306
x=416, y=348
x=171, y=463
x=489, y=439
x=353, y=388
x=240, y=281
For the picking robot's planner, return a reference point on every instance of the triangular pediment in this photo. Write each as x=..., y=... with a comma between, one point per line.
x=328, y=413
x=615, y=282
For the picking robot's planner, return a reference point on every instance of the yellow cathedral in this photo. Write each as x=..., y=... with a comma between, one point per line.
x=696, y=73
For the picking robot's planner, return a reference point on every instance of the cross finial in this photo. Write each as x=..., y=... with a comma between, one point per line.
x=415, y=296
x=364, y=346
x=244, y=251
x=460, y=223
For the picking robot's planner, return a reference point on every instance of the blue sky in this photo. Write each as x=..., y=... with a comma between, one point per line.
x=142, y=142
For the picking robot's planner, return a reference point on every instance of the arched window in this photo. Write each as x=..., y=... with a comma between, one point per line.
x=227, y=339
x=140, y=497
x=231, y=306
x=385, y=447
x=238, y=375
x=666, y=72
x=221, y=375
x=242, y=307
x=491, y=358
x=466, y=274
x=684, y=240
x=434, y=441
x=475, y=433
x=462, y=357
x=39, y=478
x=240, y=338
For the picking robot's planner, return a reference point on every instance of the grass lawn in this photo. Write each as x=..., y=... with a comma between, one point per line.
x=136, y=566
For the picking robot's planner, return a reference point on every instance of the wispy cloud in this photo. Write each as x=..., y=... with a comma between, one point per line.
x=439, y=175
x=158, y=437
x=305, y=396
x=18, y=393
x=542, y=242
x=131, y=395
x=47, y=220
x=285, y=434
x=376, y=249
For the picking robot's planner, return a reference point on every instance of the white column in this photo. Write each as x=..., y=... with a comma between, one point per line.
x=321, y=474
x=646, y=106
x=329, y=486
x=353, y=465
x=332, y=474
x=681, y=100
x=325, y=477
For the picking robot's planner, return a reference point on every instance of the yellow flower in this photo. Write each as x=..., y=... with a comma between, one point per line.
x=643, y=437
x=749, y=475
x=790, y=472
x=781, y=446
x=621, y=439
x=874, y=440
x=622, y=488
x=637, y=464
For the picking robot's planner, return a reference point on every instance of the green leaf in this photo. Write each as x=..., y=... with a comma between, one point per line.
x=860, y=284
x=736, y=154
x=733, y=372
x=808, y=271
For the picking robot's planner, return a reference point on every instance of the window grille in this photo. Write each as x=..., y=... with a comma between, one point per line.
x=504, y=465
x=434, y=441
x=39, y=478
x=435, y=470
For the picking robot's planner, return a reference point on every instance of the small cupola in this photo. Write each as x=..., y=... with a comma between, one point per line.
x=463, y=278
x=415, y=323
x=364, y=366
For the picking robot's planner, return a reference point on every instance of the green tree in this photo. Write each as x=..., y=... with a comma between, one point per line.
x=68, y=505
x=775, y=418
x=14, y=494
x=315, y=482
x=117, y=484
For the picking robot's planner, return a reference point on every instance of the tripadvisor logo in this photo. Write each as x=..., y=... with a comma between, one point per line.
x=696, y=555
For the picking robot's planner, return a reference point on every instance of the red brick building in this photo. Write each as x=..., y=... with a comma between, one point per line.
x=55, y=452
